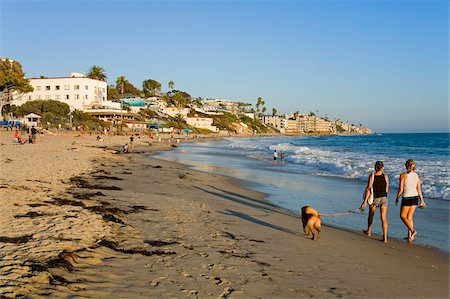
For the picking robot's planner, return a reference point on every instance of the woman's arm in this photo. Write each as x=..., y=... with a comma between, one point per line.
x=387, y=183
x=419, y=191
x=400, y=187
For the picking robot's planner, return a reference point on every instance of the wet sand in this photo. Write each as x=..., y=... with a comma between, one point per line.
x=81, y=220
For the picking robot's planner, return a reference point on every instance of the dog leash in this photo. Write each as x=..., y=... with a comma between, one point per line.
x=358, y=211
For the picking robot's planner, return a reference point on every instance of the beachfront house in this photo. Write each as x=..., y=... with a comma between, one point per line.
x=77, y=91
x=174, y=111
x=201, y=123
x=276, y=121
x=135, y=125
x=113, y=116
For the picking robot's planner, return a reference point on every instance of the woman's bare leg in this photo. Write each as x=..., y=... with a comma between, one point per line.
x=372, y=210
x=412, y=232
x=384, y=224
x=407, y=220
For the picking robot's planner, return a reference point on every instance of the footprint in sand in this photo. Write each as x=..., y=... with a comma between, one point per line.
x=155, y=282
x=226, y=292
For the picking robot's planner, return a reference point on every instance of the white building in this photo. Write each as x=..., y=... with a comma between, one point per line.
x=174, y=111
x=77, y=91
x=202, y=123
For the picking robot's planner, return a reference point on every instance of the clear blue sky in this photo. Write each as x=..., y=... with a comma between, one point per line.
x=383, y=64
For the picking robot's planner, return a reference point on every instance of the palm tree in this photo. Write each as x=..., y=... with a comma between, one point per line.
x=97, y=72
x=171, y=85
x=274, y=111
x=121, y=81
x=258, y=103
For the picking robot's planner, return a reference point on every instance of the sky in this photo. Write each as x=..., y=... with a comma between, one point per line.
x=382, y=64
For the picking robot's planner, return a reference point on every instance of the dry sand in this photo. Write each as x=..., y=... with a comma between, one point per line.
x=81, y=221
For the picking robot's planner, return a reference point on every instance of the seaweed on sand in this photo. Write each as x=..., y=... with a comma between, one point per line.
x=16, y=240
x=115, y=246
x=82, y=183
x=31, y=215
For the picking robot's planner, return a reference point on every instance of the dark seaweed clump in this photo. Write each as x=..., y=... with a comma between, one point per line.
x=82, y=183
x=159, y=243
x=16, y=240
x=31, y=215
x=114, y=246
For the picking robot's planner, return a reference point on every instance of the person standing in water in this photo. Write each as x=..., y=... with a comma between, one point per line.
x=275, y=157
x=282, y=158
x=409, y=188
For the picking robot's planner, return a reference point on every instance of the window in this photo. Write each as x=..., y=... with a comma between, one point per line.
x=76, y=87
x=103, y=89
x=29, y=98
x=86, y=87
x=77, y=96
x=47, y=87
x=67, y=96
x=57, y=87
x=57, y=96
x=38, y=88
x=86, y=97
x=66, y=87
x=39, y=97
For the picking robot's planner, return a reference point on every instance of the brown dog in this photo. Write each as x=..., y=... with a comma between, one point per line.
x=311, y=219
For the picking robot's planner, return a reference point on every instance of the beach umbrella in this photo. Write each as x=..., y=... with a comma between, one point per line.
x=187, y=131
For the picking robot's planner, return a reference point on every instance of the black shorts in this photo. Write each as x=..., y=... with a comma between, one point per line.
x=410, y=201
x=274, y=158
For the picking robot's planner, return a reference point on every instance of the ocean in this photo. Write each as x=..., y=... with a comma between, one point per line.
x=330, y=173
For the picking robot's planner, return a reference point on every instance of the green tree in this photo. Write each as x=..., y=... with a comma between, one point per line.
x=120, y=84
x=150, y=87
x=55, y=108
x=258, y=104
x=113, y=94
x=12, y=82
x=97, y=72
x=126, y=87
x=82, y=118
x=274, y=111
x=171, y=85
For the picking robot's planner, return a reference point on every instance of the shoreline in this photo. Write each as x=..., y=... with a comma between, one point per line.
x=190, y=233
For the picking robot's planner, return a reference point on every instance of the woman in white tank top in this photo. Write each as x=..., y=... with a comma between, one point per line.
x=410, y=191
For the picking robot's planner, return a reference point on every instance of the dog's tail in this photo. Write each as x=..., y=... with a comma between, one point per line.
x=310, y=211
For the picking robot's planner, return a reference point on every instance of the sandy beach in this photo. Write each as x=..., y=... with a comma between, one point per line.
x=81, y=220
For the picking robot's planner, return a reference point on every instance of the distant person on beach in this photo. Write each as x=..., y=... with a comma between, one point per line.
x=409, y=189
x=16, y=135
x=282, y=157
x=378, y=183
x=131, y=142
x=275, y=157
x=125, y=148
x=33, y=134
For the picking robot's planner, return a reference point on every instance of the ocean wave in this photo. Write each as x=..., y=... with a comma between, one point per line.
x=351, y=164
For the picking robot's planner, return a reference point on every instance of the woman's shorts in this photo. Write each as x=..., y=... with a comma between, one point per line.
x=380, y=202
x=410, y=201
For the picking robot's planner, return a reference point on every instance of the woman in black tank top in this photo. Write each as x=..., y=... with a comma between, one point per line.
x=378, y=183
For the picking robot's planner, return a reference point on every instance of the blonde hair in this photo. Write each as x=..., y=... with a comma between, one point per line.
x=410, y=165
